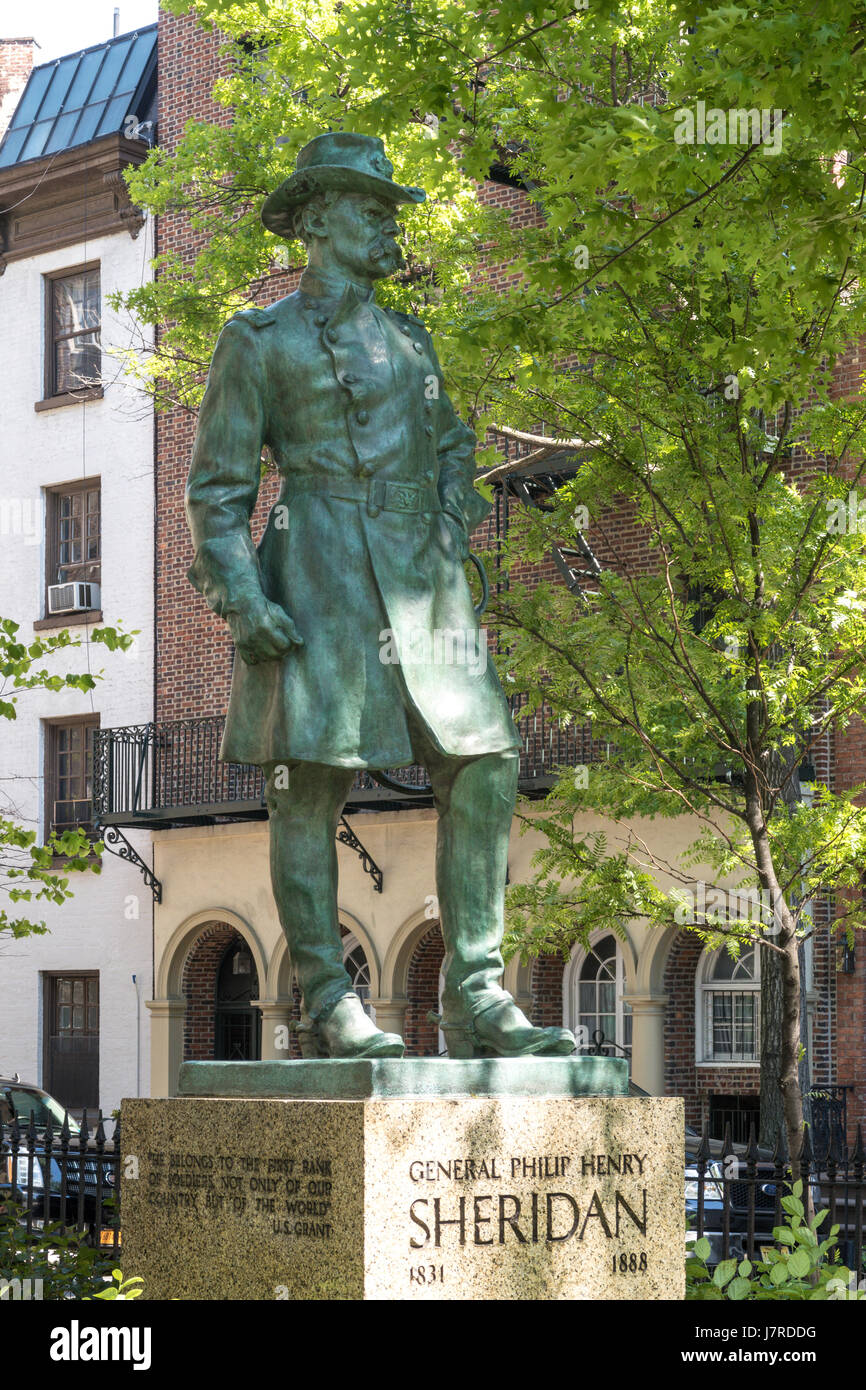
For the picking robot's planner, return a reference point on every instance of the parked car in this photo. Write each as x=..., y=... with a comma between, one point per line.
x=729, y=1171
x=715, y=1182
x=48, y=1181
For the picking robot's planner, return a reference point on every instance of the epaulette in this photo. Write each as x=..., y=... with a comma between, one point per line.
x=409, y=318
x=256, y=318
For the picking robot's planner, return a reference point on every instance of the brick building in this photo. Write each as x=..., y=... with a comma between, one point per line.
x=223, y=982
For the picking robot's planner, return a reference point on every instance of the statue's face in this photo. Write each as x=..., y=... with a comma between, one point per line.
x=361, y=231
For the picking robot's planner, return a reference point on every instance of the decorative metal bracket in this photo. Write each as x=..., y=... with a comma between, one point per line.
x=347, y=836
x=112, y=836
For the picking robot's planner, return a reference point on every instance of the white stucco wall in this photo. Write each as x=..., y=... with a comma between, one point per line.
x=206, y=870
x=107, y=925
x=222, y=873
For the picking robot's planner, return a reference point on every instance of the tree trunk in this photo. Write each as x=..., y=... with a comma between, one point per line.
x=789, y=1060
x=782, y=1020
x=784, y=1076
x=772, y=1109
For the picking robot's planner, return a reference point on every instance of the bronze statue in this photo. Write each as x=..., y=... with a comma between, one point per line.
x=337, y=615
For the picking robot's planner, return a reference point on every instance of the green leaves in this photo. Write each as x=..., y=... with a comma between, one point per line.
x=133, y=1287
x=800, y=1266
x=724, y=1272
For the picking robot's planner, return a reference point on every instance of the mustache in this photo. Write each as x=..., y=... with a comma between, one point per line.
x=385, y=248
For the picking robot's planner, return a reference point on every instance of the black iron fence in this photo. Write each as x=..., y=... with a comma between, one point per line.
x=828, y=1107
x=734, y=1192
x=66, y=1177
x=171, y=770
x=53, y=1176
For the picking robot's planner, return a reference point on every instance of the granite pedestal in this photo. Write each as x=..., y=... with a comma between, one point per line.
x=528, y=1178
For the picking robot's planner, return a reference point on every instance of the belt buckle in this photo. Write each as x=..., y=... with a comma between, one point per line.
x=402, y=497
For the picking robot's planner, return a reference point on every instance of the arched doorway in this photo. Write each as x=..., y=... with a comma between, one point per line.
x=219, y=982
x=423, y=987
x=237, y=1024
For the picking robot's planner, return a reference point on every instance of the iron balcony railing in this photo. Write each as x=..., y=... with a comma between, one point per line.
x=167, y=773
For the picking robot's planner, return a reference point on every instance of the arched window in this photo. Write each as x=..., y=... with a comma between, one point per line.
x=594, y=989
x=728, y=1006
x=355, y=962
x=237, y=1035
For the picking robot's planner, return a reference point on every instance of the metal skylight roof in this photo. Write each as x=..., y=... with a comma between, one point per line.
x=81, y=97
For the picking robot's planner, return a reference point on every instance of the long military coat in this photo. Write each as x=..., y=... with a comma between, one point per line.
x=349, y=399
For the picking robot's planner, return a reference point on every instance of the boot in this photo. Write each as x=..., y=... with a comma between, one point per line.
x=348, y=1031
x=501, y=1029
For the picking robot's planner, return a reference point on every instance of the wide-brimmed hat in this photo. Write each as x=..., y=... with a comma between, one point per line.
x=340, y=160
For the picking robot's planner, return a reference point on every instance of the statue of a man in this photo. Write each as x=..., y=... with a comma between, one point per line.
x=357, y=645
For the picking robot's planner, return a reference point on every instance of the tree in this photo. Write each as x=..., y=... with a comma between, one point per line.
x=28, y=870
x=693, y=269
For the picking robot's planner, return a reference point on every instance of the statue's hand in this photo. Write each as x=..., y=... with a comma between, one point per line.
x=263, y=632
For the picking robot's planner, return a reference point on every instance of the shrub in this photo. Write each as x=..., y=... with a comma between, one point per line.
x=801, y=1266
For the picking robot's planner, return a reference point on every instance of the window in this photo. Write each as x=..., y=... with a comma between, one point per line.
x=69, y=774
x=71, y=1060
x=594, y=985
x=358, y=970
x=73, y=358
x=74, y=542
x=737, y=1113
x=728, y=1007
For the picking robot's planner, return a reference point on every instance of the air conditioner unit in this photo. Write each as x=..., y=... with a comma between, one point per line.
x=72, y=598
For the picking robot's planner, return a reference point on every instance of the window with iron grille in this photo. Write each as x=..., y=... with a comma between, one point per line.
x=736, y=1113
x=73, y=353
x=74, y=539
x=728, y=1006
x=69, y=774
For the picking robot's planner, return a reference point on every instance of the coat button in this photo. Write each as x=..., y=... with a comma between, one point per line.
x=320, y=320
x=332, y=335
x=428, y=406
x=364, y=470
x=425, y=516
x=417, y=347
x=428, y=429
x=349, y=378
x=428, y=476
x=362, y=417
x=404, y=328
